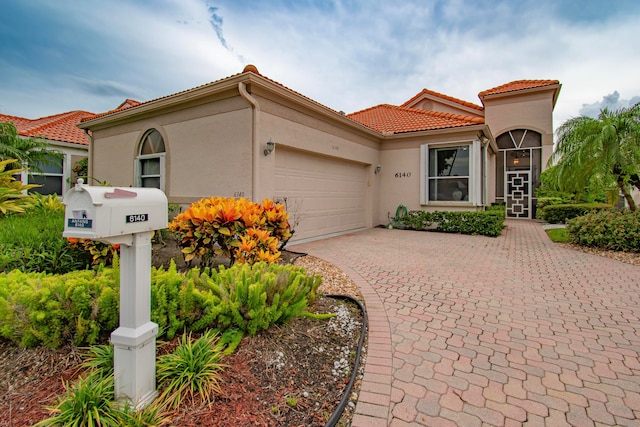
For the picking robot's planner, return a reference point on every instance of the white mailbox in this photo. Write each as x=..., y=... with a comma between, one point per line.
x=127, y=216
x=101, y=212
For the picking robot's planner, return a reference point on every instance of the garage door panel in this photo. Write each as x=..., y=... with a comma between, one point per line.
x=326, y=195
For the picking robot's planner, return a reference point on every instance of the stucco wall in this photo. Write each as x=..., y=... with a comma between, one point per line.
x=207, y=150
x=523, y=111
x=298, y=129
x=400, y=176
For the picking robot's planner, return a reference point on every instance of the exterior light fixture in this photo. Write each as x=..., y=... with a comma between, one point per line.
x=270, y=146
x=377, y=169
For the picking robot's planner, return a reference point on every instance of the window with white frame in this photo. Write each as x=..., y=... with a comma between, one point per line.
x=48, y=176
x=450, y=171
x=150, y=161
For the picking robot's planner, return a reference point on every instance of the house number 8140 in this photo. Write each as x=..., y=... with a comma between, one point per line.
x=403, y=175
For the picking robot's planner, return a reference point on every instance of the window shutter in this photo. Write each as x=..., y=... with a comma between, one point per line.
x=424, y=174
x=475, y=172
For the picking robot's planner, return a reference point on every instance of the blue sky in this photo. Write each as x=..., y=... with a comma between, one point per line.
x=58, y=56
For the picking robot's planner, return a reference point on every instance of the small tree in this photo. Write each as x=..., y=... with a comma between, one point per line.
x=24, y=151
x=12, y=191
x=603, y=152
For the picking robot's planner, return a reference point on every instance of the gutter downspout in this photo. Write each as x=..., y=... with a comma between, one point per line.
x=255, y=110
x=89, y=156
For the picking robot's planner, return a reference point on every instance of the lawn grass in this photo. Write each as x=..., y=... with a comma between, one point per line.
x=558, y=235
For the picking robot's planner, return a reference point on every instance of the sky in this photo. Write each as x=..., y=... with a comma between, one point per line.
x=58, y=56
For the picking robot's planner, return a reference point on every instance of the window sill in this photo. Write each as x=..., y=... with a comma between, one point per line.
x=450, y=204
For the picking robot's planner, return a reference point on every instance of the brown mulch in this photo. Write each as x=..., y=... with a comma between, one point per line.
x=626, y=257
x=289, y=375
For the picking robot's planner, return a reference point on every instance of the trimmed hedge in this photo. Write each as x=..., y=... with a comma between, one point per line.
x=486, y=223
x=556, y=214
x=607, y=229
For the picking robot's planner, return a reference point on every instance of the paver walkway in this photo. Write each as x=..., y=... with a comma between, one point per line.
x=472, y=330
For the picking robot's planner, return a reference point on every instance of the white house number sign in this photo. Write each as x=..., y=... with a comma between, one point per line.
x=137, y=218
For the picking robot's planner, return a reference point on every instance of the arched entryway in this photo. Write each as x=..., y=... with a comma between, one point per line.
x=518, y=167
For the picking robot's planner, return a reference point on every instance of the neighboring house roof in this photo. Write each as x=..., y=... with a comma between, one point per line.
x=387, y=119
x=426, y=93
x=128, y=103
x=59, y=127
x=517, y=85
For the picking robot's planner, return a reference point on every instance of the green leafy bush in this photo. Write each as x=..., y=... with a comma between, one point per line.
x=33, y=242
x=556, y=214
x=488, y=223
x=13, y=197
x=607, y=229
x=192, y=369
x=89, y=401
x=53, y=310
x=82, y=306
x=86, y=402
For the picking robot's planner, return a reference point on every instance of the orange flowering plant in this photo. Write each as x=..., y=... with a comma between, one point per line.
x=101, y=253
x=239, y=229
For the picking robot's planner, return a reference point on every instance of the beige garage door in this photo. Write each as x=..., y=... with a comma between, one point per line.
x=324, y=195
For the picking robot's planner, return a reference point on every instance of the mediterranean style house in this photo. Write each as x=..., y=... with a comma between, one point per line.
x=249, y=136
x=61, y=133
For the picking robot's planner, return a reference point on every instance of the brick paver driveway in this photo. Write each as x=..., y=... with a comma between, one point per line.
x=471, y=330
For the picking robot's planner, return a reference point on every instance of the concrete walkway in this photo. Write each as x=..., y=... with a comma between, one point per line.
x=478, y=331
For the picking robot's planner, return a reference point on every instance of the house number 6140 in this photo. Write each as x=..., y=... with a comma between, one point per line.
x=403, y=175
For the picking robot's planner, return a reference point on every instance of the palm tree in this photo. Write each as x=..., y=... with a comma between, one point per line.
x=600, y=152
x=28, y=151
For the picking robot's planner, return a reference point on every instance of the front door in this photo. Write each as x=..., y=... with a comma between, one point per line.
x=518, y=194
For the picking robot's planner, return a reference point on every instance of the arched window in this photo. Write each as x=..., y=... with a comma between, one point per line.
x=518, y=166
x=150, y=161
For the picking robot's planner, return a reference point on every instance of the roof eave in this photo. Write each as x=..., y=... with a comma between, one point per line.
x=165, y=102
x=221, y=86
x=555, y=87
x=430, y=132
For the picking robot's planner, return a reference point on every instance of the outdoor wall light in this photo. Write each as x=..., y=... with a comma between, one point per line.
x=270, y=146
x=377, y=169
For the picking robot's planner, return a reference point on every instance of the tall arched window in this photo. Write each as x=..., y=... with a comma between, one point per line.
x=150, y=161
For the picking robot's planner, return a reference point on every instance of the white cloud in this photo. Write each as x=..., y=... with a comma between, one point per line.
x=346, y=54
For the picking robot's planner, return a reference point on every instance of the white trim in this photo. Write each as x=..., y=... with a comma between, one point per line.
x=475, y=168
x=475, y=193
x=424, y=174
x=138, y=168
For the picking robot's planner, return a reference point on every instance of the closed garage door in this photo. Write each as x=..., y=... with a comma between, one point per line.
x=324, y=195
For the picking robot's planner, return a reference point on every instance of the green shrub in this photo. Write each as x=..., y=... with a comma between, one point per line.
x=87, y=402
x=83, y=306
x=252, y=297
x=488, y=223
x=33, y=242
x=192, y=369
x=53, y=310
x=13, y=197
x=556, y=214
x=607, y=229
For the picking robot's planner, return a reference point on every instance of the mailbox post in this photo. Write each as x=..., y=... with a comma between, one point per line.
x=125, y=216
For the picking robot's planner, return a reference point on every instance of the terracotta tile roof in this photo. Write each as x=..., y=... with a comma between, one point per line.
x=59, y=127
x=443, y=96
x=518, y=85
x=387, y=118
x=128, y=103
